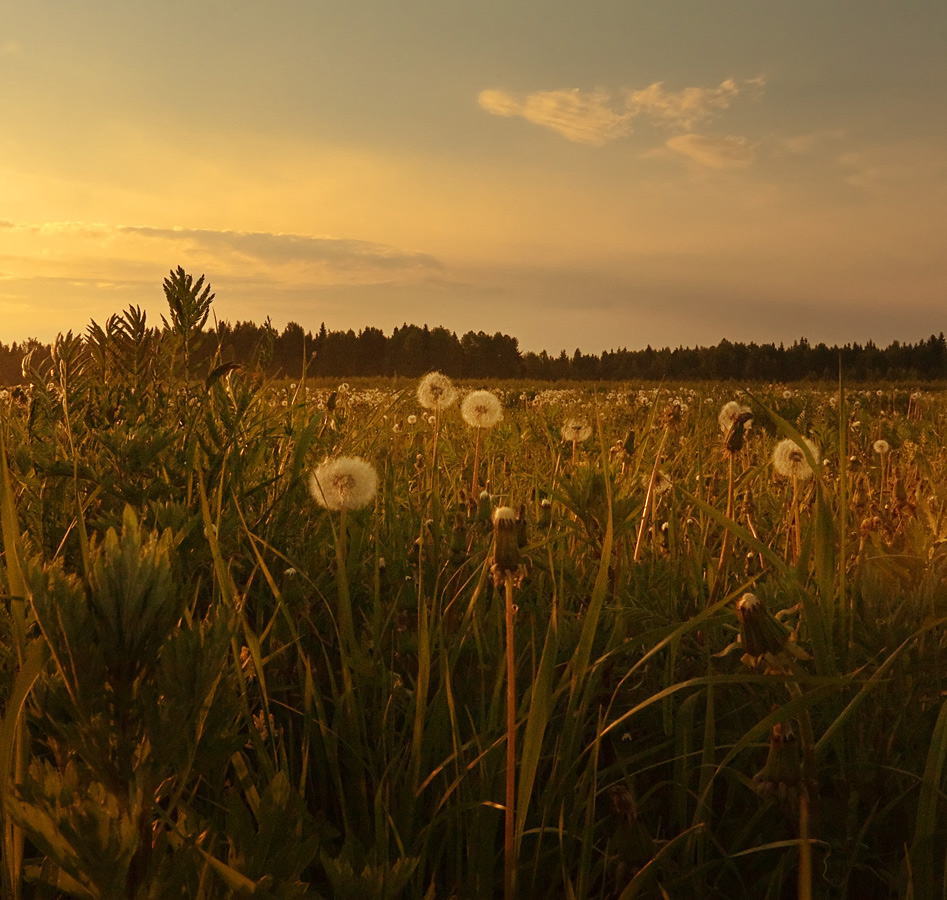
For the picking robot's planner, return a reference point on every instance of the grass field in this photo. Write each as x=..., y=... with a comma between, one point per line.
x=221, y=676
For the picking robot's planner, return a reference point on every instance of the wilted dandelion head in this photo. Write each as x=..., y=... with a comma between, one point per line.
x=729, y=414
x=881, y=447
x=436, y=391
x=790, y=461
x=481, y=409
x=576, y=431
x=662, y=484
x=345, y=482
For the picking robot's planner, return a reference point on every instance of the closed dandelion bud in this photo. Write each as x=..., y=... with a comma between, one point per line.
x=330, y=403
x=782, y=773
x=458, y=537
x=634, y=845
x=760, y=631
x=629, y=445
x=900, y=494
x=484, y=510
x=522, y=536
x=506, y=551
x=545, y=512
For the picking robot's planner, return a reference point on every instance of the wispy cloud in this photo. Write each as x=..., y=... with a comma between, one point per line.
x=715, y=152
x=583, y=117
x=597, y=117
x=291, y=248
x=686, y=108
x=245, y=252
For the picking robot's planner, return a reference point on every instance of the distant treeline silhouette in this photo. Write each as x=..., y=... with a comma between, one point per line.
x=412, y=350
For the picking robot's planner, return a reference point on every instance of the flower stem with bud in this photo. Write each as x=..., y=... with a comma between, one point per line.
x=507, y=570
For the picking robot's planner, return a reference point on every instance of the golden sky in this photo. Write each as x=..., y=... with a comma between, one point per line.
x=598, y=175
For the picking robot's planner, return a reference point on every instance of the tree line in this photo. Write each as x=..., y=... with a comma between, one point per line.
x=412, y=350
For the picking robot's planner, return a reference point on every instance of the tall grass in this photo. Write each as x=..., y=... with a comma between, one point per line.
x=211, y=687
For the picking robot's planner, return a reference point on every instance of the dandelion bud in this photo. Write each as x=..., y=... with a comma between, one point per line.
x=330, y=403
x=545, y=512
x=506, y=551
x=782, y=773
x=484, y=509
x=760, y=631
x=458, y=538
x=629, y=445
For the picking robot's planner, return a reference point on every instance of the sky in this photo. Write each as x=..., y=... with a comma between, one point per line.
x=593, y=175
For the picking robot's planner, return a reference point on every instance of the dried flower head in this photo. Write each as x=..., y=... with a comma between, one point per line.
x=790, y=461
x=662, y=484
x=881, y=447
x=481, y=409
x=576, y=430
x=345, y=482
x=436, y=391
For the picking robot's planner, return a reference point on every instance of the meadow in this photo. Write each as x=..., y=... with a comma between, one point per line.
x=234, y=663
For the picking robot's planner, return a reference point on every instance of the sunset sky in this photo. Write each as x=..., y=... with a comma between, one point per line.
x=595, y=174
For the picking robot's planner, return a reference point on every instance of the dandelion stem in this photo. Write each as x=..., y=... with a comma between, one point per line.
x=509, y=848
x=476, y=466
x=797, y=525
x=725, y=548
x=649, y=496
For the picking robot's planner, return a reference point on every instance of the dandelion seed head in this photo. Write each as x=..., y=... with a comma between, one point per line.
x=436, y=391
x=790, y=461
x=729, y=413
x=662, y=484
x=576, y=430
x=345, y=482
x=481, y=409
x=881, y=447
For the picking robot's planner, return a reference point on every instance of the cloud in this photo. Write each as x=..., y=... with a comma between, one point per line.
x=598, y=117
x=583, y=117
x=291, y=248
x=684, y=109
x=296, y=256
x=715, y=152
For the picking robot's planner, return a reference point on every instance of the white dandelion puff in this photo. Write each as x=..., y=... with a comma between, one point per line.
x=436, y=391
x=345, y=482
x=790, y=461
x=576, y=431
x=481, y=409
x=729, y=413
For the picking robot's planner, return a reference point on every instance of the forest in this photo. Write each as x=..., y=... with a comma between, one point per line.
x=412, y=350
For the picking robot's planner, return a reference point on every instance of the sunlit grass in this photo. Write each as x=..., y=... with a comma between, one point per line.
x=321, y=702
